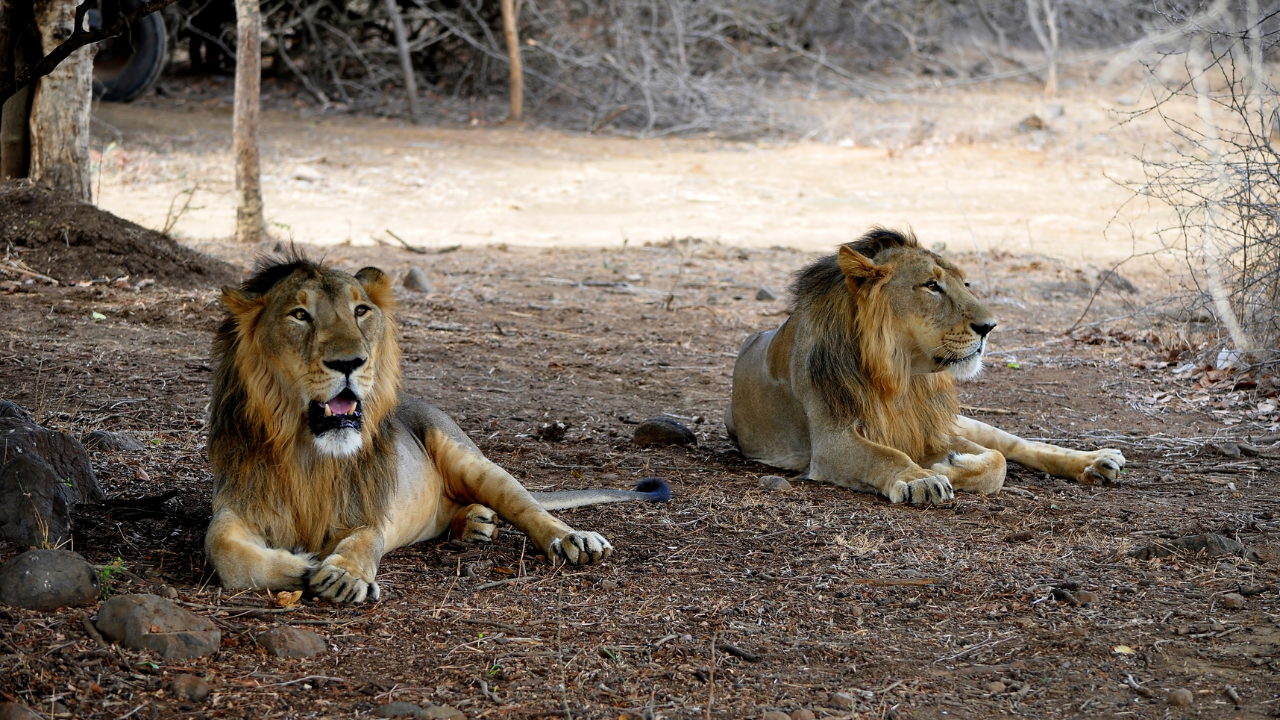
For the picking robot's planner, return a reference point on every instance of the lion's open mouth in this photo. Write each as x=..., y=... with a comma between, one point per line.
x=342, y=411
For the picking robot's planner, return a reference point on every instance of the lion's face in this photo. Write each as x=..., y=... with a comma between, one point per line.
x=326, y=347
x=944, y=326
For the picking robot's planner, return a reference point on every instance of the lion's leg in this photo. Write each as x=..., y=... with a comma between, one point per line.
x=471, y=477
x=244, y=560
x=845, y=458
x=1085, y=466
x=971, y=467
x=474, y=524
x=346, y=575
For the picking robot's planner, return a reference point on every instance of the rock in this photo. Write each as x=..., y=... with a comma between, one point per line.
x=118, y=442
x=774, y=482
x=765, y=294
x=608, y=584
x=1226, y=449
x=1087, y=596
x=1210, y=544
x=306, y=173
x=34, y=510
x=551, y=431
x=149, y=622
x=20, y=435
x=1181, y=697
x=1031, y=123
x=14, y=711
x=995, y=687
x=803, y=714
x=1020, y=536
x=663, y=431
x=47, y=580
x=776, y=715
x=1250, y=590
x=841, y=701
x=190, y=687
x=167, y=592
x=1233, y=601
x=400, y=709
x=292, y=642
x=1064, y=596
x=444, y=712
x=416, y=279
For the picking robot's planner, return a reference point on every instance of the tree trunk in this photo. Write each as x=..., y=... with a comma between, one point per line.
x=250, y=225
x=406, y=64
x=17, y=45
x=513, y=52
x=60, y=106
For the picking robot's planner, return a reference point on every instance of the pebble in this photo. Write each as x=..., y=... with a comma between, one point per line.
x=1233, y=601
x=103, y=440
x=149, y=622
x=306, y=173
x=417, y=280
x=190, y=687
x=803, y=714
x=167, y=592
x=14, y=711
x=1020, y=536
x=410, y=710
x=996, y=687
x=1086, y=596
x=608, y=584
x=47, y=580
x=776, y=715
x=765, y=294
x=291, y=642
x=663, y=431
x=774, y=482
x=1181, y=697
x=841, y=701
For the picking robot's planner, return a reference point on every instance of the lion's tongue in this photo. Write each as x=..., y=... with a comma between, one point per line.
x=341, y=406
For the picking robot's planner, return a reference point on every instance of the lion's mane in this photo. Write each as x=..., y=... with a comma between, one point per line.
x=854, y=352
x=263, y=469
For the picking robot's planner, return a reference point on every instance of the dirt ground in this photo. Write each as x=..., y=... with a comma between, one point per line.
x=914, y=612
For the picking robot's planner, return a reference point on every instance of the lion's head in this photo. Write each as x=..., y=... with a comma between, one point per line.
x=887, y=325
x=305, y=385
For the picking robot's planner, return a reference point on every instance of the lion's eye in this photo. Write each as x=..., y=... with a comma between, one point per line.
x=362, y=310
x=966, y=284
x=933, y=286
x=301, y=314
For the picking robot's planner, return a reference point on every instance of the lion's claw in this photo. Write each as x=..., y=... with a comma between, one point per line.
x=931, y=490
x=579, y=548
x=340, y=586
x=1104, y=468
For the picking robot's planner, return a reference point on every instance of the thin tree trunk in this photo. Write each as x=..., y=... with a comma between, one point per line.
x=513, y=52
x=1049, y=40
x=60, y=106
x=406, y=65
x=250, y=225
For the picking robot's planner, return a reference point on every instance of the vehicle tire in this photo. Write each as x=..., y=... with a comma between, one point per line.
x=124, y=71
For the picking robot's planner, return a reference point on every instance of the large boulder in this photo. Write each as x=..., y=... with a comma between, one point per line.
x=152, y=623
x=47, y=580
x=43, y=473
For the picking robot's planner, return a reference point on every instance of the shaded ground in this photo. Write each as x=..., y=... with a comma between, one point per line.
x=913, y=611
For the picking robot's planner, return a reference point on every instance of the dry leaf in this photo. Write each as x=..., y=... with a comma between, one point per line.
x=287, y=599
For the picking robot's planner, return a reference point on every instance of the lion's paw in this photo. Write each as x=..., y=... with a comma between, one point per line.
x=579, y=548
x=480, y=525
x=1105, y=467
x=337, y=584
x=931, y=490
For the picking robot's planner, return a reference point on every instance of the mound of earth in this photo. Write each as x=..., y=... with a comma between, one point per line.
x=58, y=235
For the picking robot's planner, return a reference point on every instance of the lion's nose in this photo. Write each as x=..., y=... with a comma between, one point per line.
x=346, y=367
x=983, y=328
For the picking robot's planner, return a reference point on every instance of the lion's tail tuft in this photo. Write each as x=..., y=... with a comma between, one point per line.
x=655, y=488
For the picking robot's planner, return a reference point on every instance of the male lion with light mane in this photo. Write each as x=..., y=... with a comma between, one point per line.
x=321, y=466
x=857, y=387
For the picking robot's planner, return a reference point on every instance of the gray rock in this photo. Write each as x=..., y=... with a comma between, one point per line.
x=417, y=280
x=1233, y=601
x=292, y=642
x=149, y=622
x=14, y=711
x=47, y=580
x=400, y=709
x=776, y=715
x=1210, y=544
x=20, y=435
x=34, y=508
x=190, y=687
x=444, y=712
x=766, y=294
x=663, y=431
x=118, y=442
x=774, y=482
x=841, y=701
x=1181, y=697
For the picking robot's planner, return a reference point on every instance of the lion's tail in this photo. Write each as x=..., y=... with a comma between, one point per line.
x=650, y=489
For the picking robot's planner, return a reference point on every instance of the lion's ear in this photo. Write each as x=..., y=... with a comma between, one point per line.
x=377, y=286
x=858, y=268
x=239, y=302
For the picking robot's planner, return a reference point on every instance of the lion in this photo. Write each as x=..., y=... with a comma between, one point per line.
x=857, y=387
x=321, y=465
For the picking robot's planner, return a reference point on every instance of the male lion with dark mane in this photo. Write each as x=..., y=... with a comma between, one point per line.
x=321, y=465
x=857, y=387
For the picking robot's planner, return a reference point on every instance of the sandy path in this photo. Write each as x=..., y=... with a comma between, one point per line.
x=331, y=180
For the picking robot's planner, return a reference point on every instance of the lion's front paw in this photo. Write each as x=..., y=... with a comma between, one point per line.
x=931, y=490
x=579, y=548
x=336, y=581
x=1105, y=467
x=478, y=524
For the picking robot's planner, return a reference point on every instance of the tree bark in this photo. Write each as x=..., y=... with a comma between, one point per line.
x=513, y=52
x=250, y=224
x=406, y=64
x=16, y=46
x=60, y=106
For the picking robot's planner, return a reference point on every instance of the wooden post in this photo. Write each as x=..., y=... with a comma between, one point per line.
x=250, y=225
x=513, y=52
x=60, y=105
x=406, y=65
